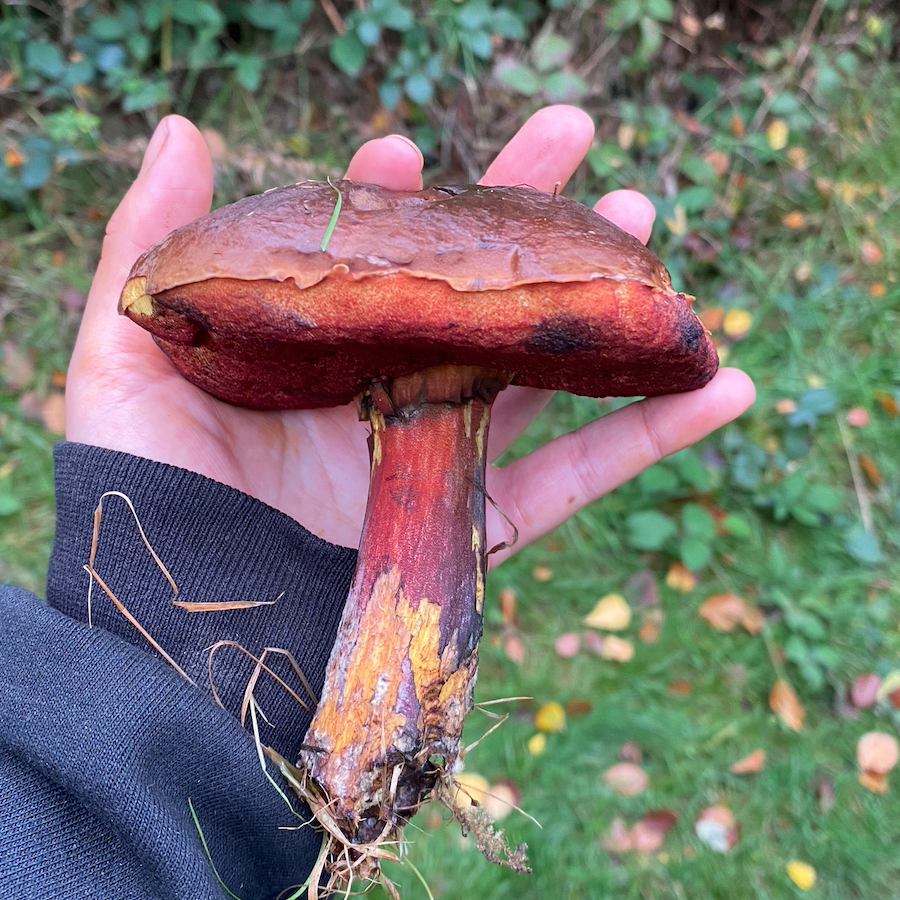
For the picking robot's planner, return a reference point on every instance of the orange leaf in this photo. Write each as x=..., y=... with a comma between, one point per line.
x=887, y=402
x=784, y=702
x=680, y=686
x=53, y=413
x=870, y=468
x=508, y=606
x=723, y=611
x=718, y=161
x=750, y=764
x=877, y=784
x=542, y=573
x=680, y=578
x=794, y=219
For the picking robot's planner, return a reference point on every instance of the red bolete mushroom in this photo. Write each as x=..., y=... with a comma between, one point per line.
x=422, y=306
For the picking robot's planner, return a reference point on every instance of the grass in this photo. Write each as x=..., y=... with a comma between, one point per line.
x=808, y=508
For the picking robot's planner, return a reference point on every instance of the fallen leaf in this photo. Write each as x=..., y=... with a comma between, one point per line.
x=722, y=611
x=642, y=586
x=712, y=318
x=737, y=323
x=612, y=613
x=592, y=642
x=870, y=469
x=626, y=779
x=870, y=252
x=680, y=686
x=13, y=157
x=648, y=833
x=801, y=873
x=718, y=161
x=736, y=126
x=680, y=578
x=567, y=645
x=794, y=219
x=550, y=717
x=507, y=600
x=537, y=744
x=777, y=134
x=514, y=650
x=888, y=402
x=578, y=707
x=864, y=690
x=53, y=413
x=798, y=157
x=858, y=417
x=542, y=573
x=651, y=626
x=619, y=838
x=717, y=828
x=16, y=366
x=617, y=649
x=501, y=799
x=785, y=703
x=470, y=788
x=630, y=752
x=877, y=289
x=877, y=784
x=750, y=764
x=877, y=753
x=215, y=144
x=785, y=406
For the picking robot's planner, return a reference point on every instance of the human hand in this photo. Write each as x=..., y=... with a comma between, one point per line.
x=123, y=394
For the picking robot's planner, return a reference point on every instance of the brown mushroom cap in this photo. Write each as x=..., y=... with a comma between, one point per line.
x=248, y=306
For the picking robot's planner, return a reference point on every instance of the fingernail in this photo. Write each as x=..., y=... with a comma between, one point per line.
x=406, y=140
x=157, y=142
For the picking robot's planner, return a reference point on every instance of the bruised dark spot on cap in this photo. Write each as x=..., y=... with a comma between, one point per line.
x=692, y=334
x=561, y=334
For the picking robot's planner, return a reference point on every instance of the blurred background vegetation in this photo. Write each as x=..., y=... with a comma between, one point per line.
x=760, y=568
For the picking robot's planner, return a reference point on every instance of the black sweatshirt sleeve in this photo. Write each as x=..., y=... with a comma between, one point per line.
x=102, y=742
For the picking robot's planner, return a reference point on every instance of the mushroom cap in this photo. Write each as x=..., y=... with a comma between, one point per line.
x=249, y=306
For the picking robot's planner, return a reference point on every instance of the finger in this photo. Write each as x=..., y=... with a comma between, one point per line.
x=173, y=188
x=393, y=162
x=630, y=210
x=546, y=487
x=545, y=151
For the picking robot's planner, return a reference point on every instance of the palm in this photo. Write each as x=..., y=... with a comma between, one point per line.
x=124, y=394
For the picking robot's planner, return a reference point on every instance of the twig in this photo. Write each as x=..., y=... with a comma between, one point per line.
x=859, y=485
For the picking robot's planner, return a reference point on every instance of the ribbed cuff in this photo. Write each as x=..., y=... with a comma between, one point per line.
x=218, y=544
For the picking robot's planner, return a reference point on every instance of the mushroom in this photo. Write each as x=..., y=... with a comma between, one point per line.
x=422, y=306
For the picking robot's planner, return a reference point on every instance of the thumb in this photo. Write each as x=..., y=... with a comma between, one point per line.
x=173, y=188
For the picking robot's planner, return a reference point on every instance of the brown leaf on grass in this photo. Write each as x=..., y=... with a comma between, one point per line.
x=712, y=318
x=877, y=753
x=567, y=645
x=717, y=828
x=507, y=601
x=750, y=764
x=617, y=649
x=53, y=413
x=888, y=402
x=864, y=690
x=877, y=784
x=542, y=573
x=725, y=611
x=578, y=706
x=870, y=469
x=16, y=366
x=648, y=833
x=784, y=702
x=645, y=836
x=651, y=625
x=626, y=779
x=718, y=161
x=680, y=686
x=680, y=578
x=642, y=587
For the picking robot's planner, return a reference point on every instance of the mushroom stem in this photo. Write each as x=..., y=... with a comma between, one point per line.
x=401, y=676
